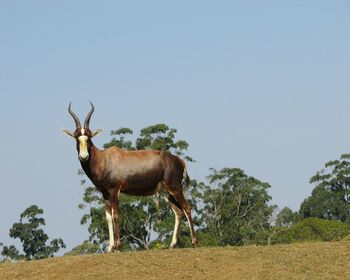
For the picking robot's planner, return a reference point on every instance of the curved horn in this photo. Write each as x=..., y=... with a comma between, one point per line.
x=76, y=119
x=87, y=120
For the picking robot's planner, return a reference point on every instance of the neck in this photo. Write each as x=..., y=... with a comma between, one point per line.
x=88, y=164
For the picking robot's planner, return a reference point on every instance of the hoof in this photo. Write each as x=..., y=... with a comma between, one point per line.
x=172, y=246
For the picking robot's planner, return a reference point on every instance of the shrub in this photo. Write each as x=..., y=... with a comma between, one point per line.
x=313, y=229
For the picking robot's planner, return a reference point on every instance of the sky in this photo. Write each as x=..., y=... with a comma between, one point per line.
x=259, y=85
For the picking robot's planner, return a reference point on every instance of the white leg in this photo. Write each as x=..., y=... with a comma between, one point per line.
x=110, y=230
x=178, y=218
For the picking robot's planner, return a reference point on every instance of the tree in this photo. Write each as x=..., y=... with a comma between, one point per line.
x=330, y=199
x=11, y=253
x=286, y=217
x=236, y=209
x=144, y=221
x=121, y=142
x=325, y=204
x=161, y=137
x=32, y=237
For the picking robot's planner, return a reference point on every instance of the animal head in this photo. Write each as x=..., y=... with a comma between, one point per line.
x=81, y=134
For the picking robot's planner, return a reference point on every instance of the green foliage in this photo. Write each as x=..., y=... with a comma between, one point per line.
x=135, y=220
x=346, y=238
x=32, y=237
x=325, y=204
x=161, y=137
x=205, y=239
x=120, y=141
x=286, y=217
x=11, y=253
x=330, y=199
x=235, y=207
x=313, y=229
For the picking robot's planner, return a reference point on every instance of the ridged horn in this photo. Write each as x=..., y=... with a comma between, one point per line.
x=74, y=116
x=87, y=120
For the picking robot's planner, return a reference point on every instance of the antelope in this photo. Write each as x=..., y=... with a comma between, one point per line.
x=141, y=173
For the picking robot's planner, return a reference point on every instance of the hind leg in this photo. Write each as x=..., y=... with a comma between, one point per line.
x=178, y=217
x=182, y=203
x=187, y=209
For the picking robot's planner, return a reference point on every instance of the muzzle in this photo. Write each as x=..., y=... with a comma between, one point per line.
x=83, y=148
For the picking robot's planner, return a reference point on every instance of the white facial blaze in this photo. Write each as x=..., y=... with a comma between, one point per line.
x=83, y=148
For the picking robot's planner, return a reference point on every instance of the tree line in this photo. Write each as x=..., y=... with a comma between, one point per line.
x=230, y=208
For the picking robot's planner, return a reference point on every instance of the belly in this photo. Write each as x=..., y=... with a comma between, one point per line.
x=141, y=185
x=139, y=190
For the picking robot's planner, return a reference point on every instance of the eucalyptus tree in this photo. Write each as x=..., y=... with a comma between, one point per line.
x=330, y=199
x=33, y=238
x=236, y=207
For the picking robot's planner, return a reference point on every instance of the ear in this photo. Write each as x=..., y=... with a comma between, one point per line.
x=68, y=132
x=96, y=132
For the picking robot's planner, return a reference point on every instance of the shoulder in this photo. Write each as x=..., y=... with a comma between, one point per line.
x=113, y=148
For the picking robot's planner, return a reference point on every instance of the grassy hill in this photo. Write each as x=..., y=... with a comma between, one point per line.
x=323, y=260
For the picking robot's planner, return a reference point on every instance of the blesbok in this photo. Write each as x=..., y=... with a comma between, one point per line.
x=144, y=172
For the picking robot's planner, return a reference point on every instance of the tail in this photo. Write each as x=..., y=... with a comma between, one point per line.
x=185, y=183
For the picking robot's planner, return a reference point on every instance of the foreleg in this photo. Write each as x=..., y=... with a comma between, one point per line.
x=115, y=216
x=109, y=214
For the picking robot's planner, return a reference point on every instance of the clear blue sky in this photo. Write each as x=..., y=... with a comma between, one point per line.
x=259, y=85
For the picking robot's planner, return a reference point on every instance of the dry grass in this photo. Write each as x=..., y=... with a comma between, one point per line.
x=298, y=261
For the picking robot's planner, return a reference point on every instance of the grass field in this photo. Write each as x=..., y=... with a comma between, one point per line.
x=326, y=260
